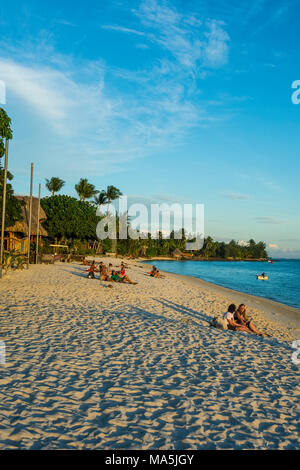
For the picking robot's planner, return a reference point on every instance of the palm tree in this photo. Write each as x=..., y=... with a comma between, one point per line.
x=112, y=193
x=101, y=198
x=54, y=185
x=85, y=190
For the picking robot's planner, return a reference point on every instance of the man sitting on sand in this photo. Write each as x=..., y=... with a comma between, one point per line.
x=92, y=270
x=241, y=318
x=232, y=324
x=103, y=273
x=117, y=278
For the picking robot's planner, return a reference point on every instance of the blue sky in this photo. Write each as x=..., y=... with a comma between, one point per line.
x=172, y=101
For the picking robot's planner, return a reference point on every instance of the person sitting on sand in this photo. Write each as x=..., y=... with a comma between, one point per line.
x=110, y=269
x=117, y=278
x=241, y=318
x=122, y=271
x=92, y=270
x=232, y=324
x=152, y=271
x=123, y=265
x=155, y=273
x=103, y=274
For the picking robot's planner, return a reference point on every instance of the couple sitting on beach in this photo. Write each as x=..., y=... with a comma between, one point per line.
x=111, y=275
x=237, y=320
x=155, y=272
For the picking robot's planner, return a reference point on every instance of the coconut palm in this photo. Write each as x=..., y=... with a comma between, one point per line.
x=85, y=190
x=54, y=184
x=112, y=193
x=101, y=198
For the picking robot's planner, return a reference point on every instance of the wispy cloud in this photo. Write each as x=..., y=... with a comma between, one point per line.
x=193, y=42
x=276, y=16
x=268, y=220
x=76, y=98
x=122, y=29
x=236, y=196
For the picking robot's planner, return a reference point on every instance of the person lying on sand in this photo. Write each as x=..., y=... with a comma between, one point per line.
x=232, y=324
x=117, y=278
x=241, y=318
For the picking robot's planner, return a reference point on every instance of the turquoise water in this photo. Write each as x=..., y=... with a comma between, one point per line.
x=283, y=284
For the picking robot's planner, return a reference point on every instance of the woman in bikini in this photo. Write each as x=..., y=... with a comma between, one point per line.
x=241, y=318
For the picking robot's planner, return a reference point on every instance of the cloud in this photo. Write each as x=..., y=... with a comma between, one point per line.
x=243, y=243
x=79, y=101
x=191, y=41
x=273, y=246
x=289, y=253
x=275, y=17
x=122, y=29
x=268, y=220
x=236, y=196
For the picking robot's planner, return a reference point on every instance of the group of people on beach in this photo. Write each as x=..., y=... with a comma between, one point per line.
x=108, y=273
x=237, y=320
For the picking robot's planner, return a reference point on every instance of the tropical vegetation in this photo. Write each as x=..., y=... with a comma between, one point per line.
x=85, y=190
x=54, y=185
x=13, y=211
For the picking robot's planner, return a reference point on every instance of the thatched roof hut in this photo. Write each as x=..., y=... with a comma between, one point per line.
x=177, y=253
x=22, y=225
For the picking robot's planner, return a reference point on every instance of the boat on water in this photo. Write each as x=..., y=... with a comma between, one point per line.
x=262, y=277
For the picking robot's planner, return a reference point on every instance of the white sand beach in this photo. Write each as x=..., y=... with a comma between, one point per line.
x=139, y=367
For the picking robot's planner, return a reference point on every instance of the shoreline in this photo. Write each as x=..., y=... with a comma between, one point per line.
x=169, y=258
x=270, y=304
x=139, y=366
x=285, y=315
x=274, y=310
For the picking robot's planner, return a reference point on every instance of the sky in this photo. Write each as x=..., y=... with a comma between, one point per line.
x=178, y=101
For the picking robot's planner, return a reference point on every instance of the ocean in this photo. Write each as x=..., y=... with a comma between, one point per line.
x=283, y=284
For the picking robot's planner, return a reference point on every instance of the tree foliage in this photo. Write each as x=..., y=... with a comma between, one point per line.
x=112, y=193
x=5, y=130
x=69, y=218
x=54, y=184
x=85, y=190
x=13, y=211
x=101, y=198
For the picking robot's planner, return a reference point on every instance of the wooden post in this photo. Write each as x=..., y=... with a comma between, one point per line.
x=38, y=228
x=3, y=209
x=30, y=215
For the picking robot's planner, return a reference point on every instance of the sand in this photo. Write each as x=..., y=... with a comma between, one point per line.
x=138, y=367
